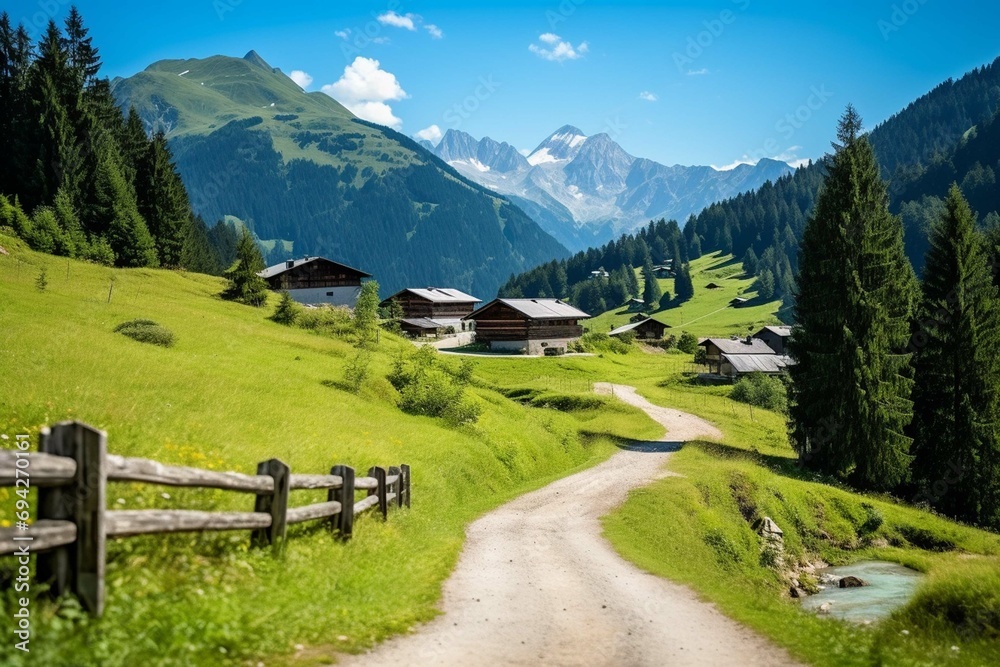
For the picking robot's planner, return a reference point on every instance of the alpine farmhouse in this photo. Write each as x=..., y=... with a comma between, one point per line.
x=531, y=326
x=316, y=281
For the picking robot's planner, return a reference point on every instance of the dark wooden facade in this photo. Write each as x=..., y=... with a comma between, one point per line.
x=500, y=322
x=776, y=338
x=416, y=305
x=314, y=273
x=648, y=329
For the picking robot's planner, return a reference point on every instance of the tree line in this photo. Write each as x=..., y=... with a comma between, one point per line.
x=79, y=177
x=897, y=385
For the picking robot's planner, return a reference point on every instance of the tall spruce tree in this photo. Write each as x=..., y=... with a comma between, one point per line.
x=955, y=427
x=163, y=200
x=651, y=292
x=245, y=284
x=683, y=284
x=851, y=387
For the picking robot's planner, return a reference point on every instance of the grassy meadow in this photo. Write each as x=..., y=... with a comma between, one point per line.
x=236, y=389
x=709, y=312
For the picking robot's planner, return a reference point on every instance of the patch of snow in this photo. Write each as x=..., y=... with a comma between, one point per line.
x=184, y=72
x=573, y=140
x=471, y=162
x=541, y=157
x=272, y=104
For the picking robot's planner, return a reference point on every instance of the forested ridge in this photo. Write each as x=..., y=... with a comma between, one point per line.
x=949, y=134
x=79, y=177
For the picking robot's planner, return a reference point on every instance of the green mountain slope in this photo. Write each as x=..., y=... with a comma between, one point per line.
x=300, y=167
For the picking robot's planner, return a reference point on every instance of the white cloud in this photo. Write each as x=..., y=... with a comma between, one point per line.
x=381, y=40
x=343, y=34
x=789, y=156
x=301, y=78
x=560, y=50
x=802, y=162
x=406, y=21
x=432, y=134
x=648, y=96
x=434, y=31
x=698, y=72
x=364, y=89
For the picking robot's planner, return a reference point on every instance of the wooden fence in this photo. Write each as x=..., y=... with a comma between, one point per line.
x=71, y=471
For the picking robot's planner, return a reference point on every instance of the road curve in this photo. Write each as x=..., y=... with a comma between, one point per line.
x=537, y=584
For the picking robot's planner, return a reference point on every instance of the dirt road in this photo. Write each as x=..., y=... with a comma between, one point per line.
x=538, y=585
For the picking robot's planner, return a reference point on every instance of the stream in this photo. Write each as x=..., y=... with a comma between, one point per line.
x=890, y=586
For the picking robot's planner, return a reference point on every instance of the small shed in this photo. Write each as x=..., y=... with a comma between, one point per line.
x=647, y=329
x=425, y=327
x=738, y=302
x=715, y=348
x=713, y=286
x=635, y=305
x=735, y=365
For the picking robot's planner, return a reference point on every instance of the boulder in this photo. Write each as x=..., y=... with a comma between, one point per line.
x=852, y=582
x=796, y=592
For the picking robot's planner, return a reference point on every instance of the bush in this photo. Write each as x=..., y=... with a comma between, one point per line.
x=329, y=320
x=357, y=370
x=427, y=390
x=761, y=391
x=601, y=342
x=146, y=331
x=687, y=343
x=287, y=310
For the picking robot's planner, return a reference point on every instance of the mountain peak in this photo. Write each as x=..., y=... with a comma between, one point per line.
x=254, y=58
x=561, y=145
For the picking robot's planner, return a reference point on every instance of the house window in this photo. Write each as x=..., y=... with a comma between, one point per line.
x=329, y=293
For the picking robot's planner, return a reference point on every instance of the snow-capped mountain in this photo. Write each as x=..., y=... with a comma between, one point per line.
x=586, y=190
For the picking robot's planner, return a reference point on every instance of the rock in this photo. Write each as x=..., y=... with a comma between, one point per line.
x=796, y=592
x=768, y=528
x=852, y=582
x=3, y=251
x=824, y=608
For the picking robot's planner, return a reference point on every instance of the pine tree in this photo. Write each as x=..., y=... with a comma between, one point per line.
x=16, y=122
x=765, y=285
x=82, y=57
x=851, y=386
x=631, y=281
x=163, y=201
x=651, y=292
x=956, y=403
x=127, y=232
x=750, y=263
x=245, y=283
x=287, y=310
x=683, y=284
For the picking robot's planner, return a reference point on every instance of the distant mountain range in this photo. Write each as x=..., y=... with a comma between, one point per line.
x=586, y=190
x=307, y=177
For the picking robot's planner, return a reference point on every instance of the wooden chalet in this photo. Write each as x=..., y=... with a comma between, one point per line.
x=533, y=326
x=776, y=338
x=433, y=311
x=647, y=329
x=316, y=280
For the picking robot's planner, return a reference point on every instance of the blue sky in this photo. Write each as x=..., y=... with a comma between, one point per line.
x=679, y=82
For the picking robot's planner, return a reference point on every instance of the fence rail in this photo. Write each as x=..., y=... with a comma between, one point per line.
x=71, y=471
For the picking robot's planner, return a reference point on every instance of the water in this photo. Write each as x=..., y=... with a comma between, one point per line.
x=890, y=587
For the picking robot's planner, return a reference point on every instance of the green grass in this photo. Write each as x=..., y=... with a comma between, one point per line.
x=709, y=312
x=236, y=389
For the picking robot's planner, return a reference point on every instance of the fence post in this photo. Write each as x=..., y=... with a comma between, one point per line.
x=77, y=567
x=379, y=475
x=344, y=521
x=397, y=487
x=275, y=504
x=405, y=472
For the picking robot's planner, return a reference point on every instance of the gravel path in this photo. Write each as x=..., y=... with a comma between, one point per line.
x=537, y=584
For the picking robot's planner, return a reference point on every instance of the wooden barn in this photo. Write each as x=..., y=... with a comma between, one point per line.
x=715, y=348
x=533, y=326
x=647, y=329
x=433, y=311
x=316, y=280
x=775, y=337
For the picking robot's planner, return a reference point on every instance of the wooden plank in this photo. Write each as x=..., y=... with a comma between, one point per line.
x=299, y=481
x=343, y=522
x=40, y=536
x=396, y=484
x=121, y=469
x=365, y=483
x=275, y=504
x=44, y=469
x=380, y=490
x=78, y=567
x=310, y=512
x=125, y=523
x=365, y=505
x=405, y=472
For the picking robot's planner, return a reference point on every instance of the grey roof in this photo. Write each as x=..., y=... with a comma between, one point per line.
x=739, y=346
x=440, y=295
x=278, y=269
x=628, y=327
x=427, y=323
x=758, y=363
x=539, y=309
x=784, y=332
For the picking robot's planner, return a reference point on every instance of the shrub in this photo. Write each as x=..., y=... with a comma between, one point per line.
x=329, y=320
x=687, y=343
x=42, y=280
x=357, y=370
x=701, y=356
x=427, y=390
x=146, y=331
x=761, y=391
x=287, y=310
x=601, y=342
